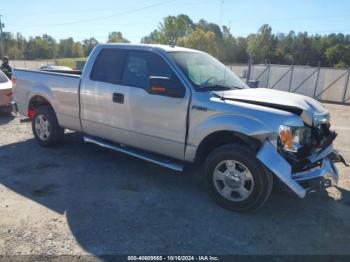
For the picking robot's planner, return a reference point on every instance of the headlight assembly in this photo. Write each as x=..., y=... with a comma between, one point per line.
x=291, y=138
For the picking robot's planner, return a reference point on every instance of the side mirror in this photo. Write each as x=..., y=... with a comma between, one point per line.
x=165, y=86
x=253, y=83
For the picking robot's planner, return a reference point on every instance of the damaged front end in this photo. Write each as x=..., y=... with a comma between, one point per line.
x=303, y=157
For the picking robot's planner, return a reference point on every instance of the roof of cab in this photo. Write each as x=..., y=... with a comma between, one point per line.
x=166, y=48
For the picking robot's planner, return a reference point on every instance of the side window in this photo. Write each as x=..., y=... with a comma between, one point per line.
x=140, y=66
x=108, y=66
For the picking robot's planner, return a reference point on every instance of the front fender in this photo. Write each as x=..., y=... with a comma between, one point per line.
x=246, y=125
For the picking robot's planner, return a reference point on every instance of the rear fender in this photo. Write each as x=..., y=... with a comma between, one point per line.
x=41, y=91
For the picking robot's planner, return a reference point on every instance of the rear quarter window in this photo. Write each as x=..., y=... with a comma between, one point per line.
x=108, y=66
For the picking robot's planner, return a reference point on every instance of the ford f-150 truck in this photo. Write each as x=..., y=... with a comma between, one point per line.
x=175, y=106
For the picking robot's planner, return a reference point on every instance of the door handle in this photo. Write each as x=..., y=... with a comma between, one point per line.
x=118, y=98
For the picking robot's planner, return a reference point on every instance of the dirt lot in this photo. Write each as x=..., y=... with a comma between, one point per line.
x=81, y=199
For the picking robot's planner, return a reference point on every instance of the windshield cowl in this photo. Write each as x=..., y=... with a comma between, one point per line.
x=216, y=88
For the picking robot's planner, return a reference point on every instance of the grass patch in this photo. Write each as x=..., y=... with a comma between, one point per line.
x=71, y=62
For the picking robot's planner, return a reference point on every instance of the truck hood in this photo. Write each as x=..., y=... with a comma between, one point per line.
x=308, y=108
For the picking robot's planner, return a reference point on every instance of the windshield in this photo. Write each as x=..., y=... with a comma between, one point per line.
x=205, y=72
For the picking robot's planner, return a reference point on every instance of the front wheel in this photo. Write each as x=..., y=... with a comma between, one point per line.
x=236, y=179
x=46, y=128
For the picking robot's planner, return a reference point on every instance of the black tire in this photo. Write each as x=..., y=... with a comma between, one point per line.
x=262, y=180
x=56, y=132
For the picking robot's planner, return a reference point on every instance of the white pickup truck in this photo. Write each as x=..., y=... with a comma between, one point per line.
x=175, y=106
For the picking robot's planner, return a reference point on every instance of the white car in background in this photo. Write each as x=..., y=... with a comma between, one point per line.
x=5, y=90
x=54, y=67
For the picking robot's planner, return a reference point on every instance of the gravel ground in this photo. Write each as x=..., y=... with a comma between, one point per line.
x=81, y=199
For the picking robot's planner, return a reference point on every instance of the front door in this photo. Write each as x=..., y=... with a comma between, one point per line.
x=158, y=122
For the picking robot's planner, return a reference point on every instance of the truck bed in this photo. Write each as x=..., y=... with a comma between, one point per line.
x=65, y=72
x=60, y=87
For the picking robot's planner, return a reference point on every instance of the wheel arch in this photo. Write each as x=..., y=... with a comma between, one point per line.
x=221, y=129
x=223, y=137
x=38, y=100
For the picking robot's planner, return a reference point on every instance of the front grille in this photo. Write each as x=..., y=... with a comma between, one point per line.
x=320, y=131
x=314, y=138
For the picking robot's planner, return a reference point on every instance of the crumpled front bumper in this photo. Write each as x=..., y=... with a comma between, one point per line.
x=324, y=176
x=326, y=173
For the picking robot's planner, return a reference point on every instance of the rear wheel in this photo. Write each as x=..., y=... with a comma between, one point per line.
x=236, y=179
x=46, y=128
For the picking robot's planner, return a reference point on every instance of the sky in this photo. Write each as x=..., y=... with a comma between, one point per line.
x=83, y=19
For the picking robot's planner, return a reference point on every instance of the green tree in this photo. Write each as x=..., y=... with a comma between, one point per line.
x=170, y=30
x=242, y=54
x=341, y=65
x=66, y=47
x=78, y=50
x=39, y=48
x=218, y=36
x=52, y=46
x=210, y=27
x=284, y=50
x=291, y=48
x=233, y=50
x=153, y=38
x=14, y=52
x=338, y=55
x=204, y=41
x=89, y=45
x=20, y=42
x=302, y=49
x=117, y=37
x=261, y=45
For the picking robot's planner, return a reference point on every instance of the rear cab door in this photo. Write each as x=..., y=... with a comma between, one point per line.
x=104, y=101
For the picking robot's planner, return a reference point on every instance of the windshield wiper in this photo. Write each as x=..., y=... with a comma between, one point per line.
x=218, y=88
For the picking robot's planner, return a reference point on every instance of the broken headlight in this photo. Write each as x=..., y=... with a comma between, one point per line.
x=292, y=138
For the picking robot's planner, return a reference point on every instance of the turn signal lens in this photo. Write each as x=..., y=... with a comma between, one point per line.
x=286, y=136
x=158, y=89
x=291, y=137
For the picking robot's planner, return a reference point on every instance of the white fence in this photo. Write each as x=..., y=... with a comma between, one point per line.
x=325, y=84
